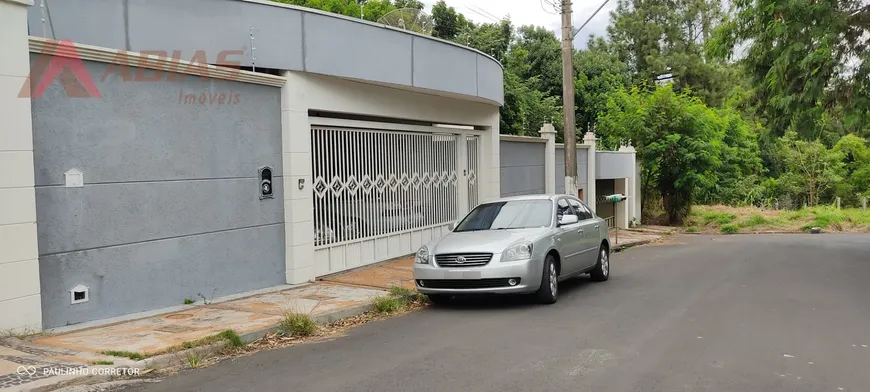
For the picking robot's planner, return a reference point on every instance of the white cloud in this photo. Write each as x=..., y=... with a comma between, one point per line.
x=536, y=12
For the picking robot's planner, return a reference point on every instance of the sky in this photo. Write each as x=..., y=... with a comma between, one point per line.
x=536, y=12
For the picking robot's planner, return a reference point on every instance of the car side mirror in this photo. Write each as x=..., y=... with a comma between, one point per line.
x=568, y=220
x=451, y=226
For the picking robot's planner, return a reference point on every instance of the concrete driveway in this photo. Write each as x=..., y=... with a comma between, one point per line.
x=725, y=313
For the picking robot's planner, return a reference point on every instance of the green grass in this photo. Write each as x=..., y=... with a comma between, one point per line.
x=125, y=354
x=729, y=229
x=102, y=363
x=721, y=218
x=754, y=220
x=399, y=291
x=229, y=336
x=193, y=360
x=388, y=304
x=188, y=301
x=297, y=324
x=724, y=219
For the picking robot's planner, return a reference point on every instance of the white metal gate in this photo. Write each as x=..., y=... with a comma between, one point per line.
x=383, y=193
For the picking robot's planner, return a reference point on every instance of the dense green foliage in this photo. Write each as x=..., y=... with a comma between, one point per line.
x=763, y=102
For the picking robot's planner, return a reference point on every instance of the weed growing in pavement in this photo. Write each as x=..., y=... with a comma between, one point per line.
x=399, y=291
x=188, y=301
x=193, y=360
x=125, y=354
x=102, y=363
x=387, y=304
x=297, y=324
x=229, y=336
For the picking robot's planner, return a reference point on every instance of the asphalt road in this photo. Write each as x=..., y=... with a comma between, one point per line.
x=724, y=313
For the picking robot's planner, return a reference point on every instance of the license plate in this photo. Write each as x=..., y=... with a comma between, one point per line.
x=460, y=274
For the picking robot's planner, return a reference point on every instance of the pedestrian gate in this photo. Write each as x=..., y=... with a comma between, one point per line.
x=383, y=193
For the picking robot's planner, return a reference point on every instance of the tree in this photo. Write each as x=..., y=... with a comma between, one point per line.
x=544, y=58
x=856, y=162
x=678, y=140
x=373, y=10
x=448, y=22
x=599, y=74
x=491, y=38
x=805, y=57
x=343, y=7
x=818, y=168
x=416, y=4
x=664, y=41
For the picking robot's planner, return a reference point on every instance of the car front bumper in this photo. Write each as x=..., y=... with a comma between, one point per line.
x=489, y=279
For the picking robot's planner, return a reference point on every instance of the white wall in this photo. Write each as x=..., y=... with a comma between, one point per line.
x=20, y=304
x=304, y=92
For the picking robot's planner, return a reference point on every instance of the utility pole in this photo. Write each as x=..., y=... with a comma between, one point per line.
x=569, y=130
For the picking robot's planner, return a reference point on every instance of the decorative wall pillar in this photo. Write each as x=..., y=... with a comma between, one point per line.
x=20, y=302
x=491, y=150
x=632, y=191
x=297, y=173
x=548, y=133
x=591, y=197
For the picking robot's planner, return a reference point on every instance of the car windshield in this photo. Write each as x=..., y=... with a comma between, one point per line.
x=517, y=214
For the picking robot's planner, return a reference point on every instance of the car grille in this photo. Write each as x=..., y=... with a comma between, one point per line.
x=464, y=283
x=463, y=259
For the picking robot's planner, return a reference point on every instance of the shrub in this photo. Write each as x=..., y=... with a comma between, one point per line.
x=387, y=304
x=728, y=229
x=297, y=324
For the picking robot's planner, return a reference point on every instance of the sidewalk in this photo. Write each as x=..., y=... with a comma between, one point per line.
x=633, y=237
x=45, y=361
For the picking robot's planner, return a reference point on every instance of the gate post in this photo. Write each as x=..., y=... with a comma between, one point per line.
x=591, y=197
x=298, y=184
x=548, y=133
x=20, y=301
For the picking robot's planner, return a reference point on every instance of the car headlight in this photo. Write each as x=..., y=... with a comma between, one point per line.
x=516, y=252
x=422, y=256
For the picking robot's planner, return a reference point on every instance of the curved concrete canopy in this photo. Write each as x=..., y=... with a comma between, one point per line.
x=284, y=37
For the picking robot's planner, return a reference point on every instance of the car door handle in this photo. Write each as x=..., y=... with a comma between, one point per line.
x=580, y=231
x=596, y=226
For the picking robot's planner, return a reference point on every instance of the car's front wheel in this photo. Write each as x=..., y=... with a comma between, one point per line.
x=549, y=291
x=602, y=268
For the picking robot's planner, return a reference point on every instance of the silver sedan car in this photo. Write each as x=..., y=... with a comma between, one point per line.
x=515, y=245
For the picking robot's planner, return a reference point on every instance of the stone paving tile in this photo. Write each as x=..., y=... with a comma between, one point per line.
x=385, y=275
x=312, y=300
x=154, y=334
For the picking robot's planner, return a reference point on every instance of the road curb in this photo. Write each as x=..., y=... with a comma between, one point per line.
x=758, y=232
x=622, y=247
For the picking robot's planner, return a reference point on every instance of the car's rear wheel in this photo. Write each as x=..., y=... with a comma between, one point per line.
x=602, y=269
x=549, y=291
x=438, y=299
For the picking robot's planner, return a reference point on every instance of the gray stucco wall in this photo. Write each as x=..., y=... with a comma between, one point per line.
x=522, y=168
x=613, y=165
x=170, y=208
x=582, y=172
x=287, y=38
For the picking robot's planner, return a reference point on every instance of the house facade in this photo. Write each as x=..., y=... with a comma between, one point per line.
x=154, y=152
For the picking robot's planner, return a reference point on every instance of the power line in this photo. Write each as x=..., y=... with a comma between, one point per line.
x=488, y=13
x=485, y=16
x=548, y=11
x=590, y=18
